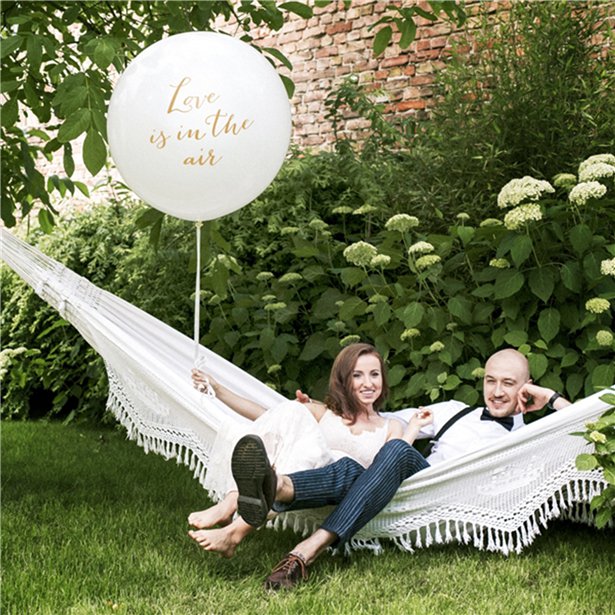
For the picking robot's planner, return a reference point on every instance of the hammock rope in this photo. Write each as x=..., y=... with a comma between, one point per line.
x=497, y=498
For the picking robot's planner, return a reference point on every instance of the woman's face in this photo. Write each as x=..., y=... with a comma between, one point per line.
x=367, y=379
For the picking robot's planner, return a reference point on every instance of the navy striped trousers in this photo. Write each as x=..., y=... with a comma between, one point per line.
x=360, y=494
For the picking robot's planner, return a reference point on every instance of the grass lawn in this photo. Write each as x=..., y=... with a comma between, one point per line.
x=90, y=524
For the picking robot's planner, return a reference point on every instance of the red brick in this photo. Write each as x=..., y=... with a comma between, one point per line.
x=339, y=27
x=396, y=61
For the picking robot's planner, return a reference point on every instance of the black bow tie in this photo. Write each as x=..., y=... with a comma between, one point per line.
x=505, y=421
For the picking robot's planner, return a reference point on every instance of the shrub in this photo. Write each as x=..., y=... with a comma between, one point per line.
x=526, y=93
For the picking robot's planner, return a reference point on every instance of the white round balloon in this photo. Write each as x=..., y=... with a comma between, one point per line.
x=199, y=124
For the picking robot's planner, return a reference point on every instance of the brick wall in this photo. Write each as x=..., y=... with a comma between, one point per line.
x=337, y=42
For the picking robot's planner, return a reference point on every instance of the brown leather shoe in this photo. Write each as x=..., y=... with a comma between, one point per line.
x=288, y=572
x=255, y=478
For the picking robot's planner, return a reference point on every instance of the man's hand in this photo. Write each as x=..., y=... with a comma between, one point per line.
x=531, y=397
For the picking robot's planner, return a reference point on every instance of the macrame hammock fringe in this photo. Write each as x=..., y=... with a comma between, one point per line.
x=498, y=498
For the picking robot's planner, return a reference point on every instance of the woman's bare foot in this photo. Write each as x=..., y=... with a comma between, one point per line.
x=218, y=514
x=223, y=540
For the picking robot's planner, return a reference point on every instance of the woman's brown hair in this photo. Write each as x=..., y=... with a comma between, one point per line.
x=340, y=398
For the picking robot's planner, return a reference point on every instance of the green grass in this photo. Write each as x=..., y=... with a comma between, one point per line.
x=90, y=524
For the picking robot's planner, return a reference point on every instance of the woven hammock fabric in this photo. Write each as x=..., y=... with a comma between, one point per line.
x=497, y=498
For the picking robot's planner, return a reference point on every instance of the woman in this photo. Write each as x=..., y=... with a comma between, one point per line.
x=349, y=423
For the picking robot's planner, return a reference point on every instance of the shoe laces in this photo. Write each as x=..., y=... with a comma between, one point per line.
x=290, y=563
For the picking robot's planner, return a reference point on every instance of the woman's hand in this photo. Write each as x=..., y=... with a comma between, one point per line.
x=202, y=382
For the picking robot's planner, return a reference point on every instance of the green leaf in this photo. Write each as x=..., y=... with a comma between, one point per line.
x=461, y=309
x=609, y=475
x=68, y=160
x=570, y=358
x=148, y=217
x=35, y=52
x=521, y=249
x=74, y=125
x=574, y=384
x=608, y=398
x=351, y=276
x=46, y=220
x=603, y=375
x=408, y=33
x=314, y=346
x=411, y=315
x=94, y=152
x=298, y=8
x=538, y=365
x=585, y=462
x=516, y=338
x=508, y=283
x=549, y=323
x=104, y=53
x=571, y=276
x=465, y=233
x=581, y=238
x=382, y=314
x=603, y=517
x=542, y=283
x=10, y=44
x=382, y=39
x=353, y=306
x=289, y=85
x=278, y=55
x=396, y=374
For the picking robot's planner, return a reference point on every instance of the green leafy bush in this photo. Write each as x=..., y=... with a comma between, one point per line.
x=526, y=93
x=47, y=367
x=601, y=435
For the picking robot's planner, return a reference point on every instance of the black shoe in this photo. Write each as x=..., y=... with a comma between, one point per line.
x=256, y=480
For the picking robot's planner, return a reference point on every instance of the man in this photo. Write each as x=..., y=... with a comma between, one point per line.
x=360, y=494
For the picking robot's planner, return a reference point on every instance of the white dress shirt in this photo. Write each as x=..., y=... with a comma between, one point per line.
x=466, y=435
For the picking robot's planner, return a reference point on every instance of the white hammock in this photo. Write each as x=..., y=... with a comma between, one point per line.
x=496, y=498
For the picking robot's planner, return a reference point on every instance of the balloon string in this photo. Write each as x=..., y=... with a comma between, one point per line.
x=197, y=294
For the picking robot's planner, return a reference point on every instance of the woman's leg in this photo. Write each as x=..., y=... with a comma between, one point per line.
x=218, y=514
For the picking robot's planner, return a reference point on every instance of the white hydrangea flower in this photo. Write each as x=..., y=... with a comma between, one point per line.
x=401, y=223
x=274, y=307
x=339, y=325
x=263, y=276
x=274, y=369
x=408, y=334
x=427, y=261
x=436, y=347
x=318, y=225
x=478, y=373
x=596, y=172
x=380, y=260
x=377, y=298
x=604, y=338
x=364, y=209
x=588, y=162
x=360, y=253
x=289, y=230
x=607, y=267
x=520, y=216
x=585, y=191
x=350, y=339
x=420, y=247
x=290, y=277
x=491, y=222
x=463, y=217
x=598, y=437
x=6, y=356
x=342, y=209
x=268, y=298
x=564, y=180
x=499, y=263
x=518, y=191
x=597, y=305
